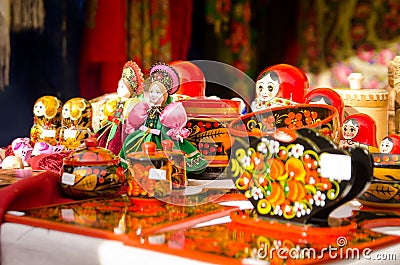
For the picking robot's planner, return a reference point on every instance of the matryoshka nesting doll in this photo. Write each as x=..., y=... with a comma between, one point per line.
x=106, y=110
x=390, y=144
x=76, y=123
x=280, y=85
x=46, y=120
x=328, y=96
x=358, y=129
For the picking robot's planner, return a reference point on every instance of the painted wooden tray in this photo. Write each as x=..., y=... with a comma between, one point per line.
x=10, y=176
x=117, y=217
x=250, y=240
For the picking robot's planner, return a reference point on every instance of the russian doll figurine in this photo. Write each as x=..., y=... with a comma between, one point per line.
x=358, y=129
x=328, y=96
x=157, y=118
x=280, y=85
x=111, y=134
x=76, y=123
x=390, y=144
x=46, y=120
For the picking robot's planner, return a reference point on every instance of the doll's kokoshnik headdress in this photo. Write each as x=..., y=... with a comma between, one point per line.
x=132, y=73
x=166, y=75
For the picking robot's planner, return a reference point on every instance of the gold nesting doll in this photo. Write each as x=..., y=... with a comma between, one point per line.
x=76, y=123
x=46, y=120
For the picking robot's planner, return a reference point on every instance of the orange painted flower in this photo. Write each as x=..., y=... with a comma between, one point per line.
x=307, y=116
x=324, y=184
x=276, y=167
x=295, y=169
x=294, y=120
x=314, y=115
x=296, y=190
x=269, y=122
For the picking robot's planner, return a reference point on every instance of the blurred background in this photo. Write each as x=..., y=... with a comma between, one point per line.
x=71, y=48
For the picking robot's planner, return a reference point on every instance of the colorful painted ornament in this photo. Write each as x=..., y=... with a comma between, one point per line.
x=280, y=85
x=150, y=173
x=208, y=121
x=46, y=120
x=287, y=176
x=358, y=130
x=91, y=172
x=76, y=123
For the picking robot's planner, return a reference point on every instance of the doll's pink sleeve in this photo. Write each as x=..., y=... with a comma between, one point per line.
x=174, y=117
x=137, y=117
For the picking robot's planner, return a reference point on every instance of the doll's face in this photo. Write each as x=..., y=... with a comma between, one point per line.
x=156, y=93
x=386, y=146
x=39, y=109
x=349, y=130
x=123, y=90
x=66, y=113
x=267, y=88
x=101, y=114
x=320, y=100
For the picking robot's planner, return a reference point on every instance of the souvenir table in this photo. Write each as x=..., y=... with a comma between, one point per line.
x=276, y=189
x=110, y=230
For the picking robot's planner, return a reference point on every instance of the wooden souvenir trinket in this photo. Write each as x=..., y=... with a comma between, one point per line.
x=294, y=176
x=91, y=172
x=208, y=120
x=390, y=144
x=46, y=120
x=358, y=129
x=150, y=173
x=178, y=165
x=280, y=85
x=372, y=102
x=384, y=191
x=76, y=123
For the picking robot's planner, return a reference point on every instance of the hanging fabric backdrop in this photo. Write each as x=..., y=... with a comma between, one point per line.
x=340, y=37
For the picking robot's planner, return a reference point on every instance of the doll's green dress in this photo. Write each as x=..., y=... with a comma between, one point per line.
x=147, y=123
